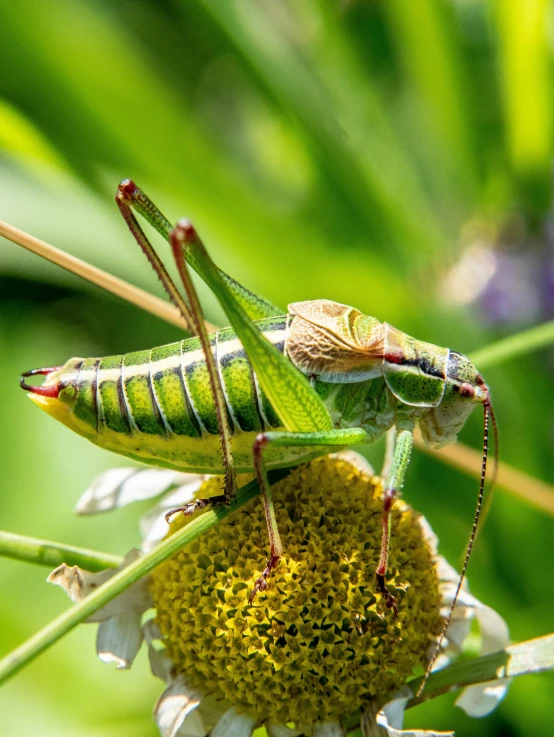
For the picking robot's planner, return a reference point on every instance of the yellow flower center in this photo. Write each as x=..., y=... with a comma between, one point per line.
x=320, y=641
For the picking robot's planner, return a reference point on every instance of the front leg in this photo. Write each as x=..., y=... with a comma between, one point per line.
x=393, y=485
x=330, y=438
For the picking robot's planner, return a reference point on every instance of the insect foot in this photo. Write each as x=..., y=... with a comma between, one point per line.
x=191, y=507
x=390, y=601
x=261, y=583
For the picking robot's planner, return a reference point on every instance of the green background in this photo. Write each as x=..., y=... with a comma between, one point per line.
x=349, y=150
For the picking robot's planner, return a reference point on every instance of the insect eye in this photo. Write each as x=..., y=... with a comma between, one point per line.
x=467, y=391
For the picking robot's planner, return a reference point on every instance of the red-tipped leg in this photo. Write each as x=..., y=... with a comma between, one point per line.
x=397, y=469
x=126, y=190
x=340, y=438
x=389, y=496
x=276, y=547
x=186, y=232
x=183, y=234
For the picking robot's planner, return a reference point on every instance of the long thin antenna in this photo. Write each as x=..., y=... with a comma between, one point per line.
x=488, y=415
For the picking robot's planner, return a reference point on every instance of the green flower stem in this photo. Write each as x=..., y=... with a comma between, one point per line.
x=47, y=553
x=34, y=646
x=516, y=345
x=532, y=656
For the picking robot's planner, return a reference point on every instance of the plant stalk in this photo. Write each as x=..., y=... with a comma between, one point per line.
x=52, y=554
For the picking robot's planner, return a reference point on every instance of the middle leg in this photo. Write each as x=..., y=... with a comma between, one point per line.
x=330, y=438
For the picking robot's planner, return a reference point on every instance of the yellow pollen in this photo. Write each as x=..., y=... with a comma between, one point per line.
x=320, y=641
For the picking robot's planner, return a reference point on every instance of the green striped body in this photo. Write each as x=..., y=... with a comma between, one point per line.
x=166, y=391
x=157, y=406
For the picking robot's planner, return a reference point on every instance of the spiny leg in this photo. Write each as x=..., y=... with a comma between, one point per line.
x=344, y=437
x=195, y=321
x=180, y=235
x=393, y=484
x=253, y=305
x=124, y=198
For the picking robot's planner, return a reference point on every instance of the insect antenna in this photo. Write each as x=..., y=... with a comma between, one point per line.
x=489, y=418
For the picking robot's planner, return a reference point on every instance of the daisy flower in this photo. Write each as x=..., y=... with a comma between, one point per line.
x=314, y=647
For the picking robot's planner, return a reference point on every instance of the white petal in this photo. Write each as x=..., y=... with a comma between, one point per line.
x=429, y=536
x=103, y=490
x=136, y=599
x=328, y=729
x=233, y=724
x=392, y=713
x=119, y=639
x=494, y=630
x=120, y=486
x=151, y=631
x=446, y=572
x=281, y=730
x=212, y=710
x=457, y=631
x=391, y=718
x=153, y=525
x=355, y=459
x=193, y=726
x=160, y=664
x=481, y=699
x=78, y=583
x=153, y=529
x=176, y=708
x=465, y=599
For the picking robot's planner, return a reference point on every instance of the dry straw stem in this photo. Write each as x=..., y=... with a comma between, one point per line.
x=535, y=492
x=112, y=284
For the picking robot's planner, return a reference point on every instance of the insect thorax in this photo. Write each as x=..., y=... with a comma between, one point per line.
x=372, y=375
x=367, y=404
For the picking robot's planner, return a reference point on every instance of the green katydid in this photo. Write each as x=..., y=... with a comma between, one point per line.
x=271, y=391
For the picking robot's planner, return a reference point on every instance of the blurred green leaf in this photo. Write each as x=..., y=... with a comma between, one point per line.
x=349, y=150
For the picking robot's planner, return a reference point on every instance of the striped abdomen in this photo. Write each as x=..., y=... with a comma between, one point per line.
x=166, y=390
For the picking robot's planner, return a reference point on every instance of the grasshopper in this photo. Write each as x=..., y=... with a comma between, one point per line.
x=272, y=391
